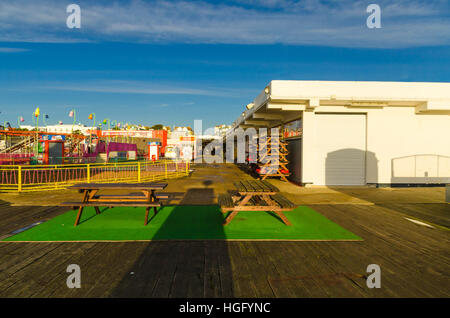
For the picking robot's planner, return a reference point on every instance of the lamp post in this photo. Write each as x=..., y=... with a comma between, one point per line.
x=45, y=121
x=6, y=123
x=19, y=120
x=114, y=124
x=106, y=122
x=118, y=126
x=127, y=129
x=91, y=116
x=37, y=112
x=73, y=114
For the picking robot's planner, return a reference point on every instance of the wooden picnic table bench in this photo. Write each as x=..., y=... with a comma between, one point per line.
x=147, y=199
x=255, y=195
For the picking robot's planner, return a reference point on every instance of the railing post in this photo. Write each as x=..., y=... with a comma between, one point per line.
x=88, y=173
x=55, y=177
x=139, y=172
x=187, y=169
x=19, y=180
x=165, y=167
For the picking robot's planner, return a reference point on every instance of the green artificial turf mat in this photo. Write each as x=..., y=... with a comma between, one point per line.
x=184, y=223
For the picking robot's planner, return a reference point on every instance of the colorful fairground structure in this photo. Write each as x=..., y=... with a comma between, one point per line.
x=40, y=160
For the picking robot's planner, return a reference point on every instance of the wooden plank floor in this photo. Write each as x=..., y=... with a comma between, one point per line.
x=414, y=261
x=435, y=213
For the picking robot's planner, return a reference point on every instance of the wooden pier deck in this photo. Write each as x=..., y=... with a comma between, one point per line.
x=414, y=260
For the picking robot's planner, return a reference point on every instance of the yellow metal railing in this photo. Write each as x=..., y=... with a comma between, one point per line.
x=53, y=177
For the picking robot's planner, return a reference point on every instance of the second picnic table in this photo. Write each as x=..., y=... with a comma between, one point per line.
x=255, y=195
x=147, y=199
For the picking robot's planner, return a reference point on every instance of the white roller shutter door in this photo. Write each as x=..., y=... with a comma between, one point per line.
x=340, y=149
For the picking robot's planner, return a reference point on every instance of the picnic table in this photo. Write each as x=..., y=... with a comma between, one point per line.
x=255, y=195
x=147, y=199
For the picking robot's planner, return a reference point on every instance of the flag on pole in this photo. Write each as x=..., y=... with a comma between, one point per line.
x=90, y=116
x=71, y=113
x=60, y=122
x=37, y=112
x=22, y=120
x=105, y=121
x=46, y=116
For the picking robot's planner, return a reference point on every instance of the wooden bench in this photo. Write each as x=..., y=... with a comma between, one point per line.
x=97, y=204
x=255, y=186
x=147, y=199
x=283, y=202
x=226, y=202
x=127, y=197
x=255, y=195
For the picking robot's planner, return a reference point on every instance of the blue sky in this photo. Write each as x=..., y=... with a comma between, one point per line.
x=171, y=62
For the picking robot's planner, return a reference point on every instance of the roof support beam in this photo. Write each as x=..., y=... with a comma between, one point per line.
x=433, y=106
x=267, y=116
x=257, y=122
x=286, y=107
x=245, y=126
x=313, y=103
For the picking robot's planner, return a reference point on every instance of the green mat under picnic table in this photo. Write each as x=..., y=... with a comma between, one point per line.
x=184, y=223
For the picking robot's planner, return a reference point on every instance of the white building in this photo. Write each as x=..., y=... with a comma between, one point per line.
x=180, y=132
x=63, y=129
x=180, y=143
x=220, y=130
x=358, y=133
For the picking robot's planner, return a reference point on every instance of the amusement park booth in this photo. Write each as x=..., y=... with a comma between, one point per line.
x=187, y=145
x=51, y=150
x=121, y=151
x=154, y=150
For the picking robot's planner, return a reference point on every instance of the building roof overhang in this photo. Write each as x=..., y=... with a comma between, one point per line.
x=283, y=101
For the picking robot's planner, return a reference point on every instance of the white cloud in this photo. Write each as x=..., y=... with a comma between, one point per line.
x=308, y=22
x=134, y=87
x=12, y=50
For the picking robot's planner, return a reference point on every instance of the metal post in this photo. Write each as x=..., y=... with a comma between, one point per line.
x=56, y=178
x=139, y=172
x=165, y=167
x=19, y=184
x=37, y=137
x=88, y=166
